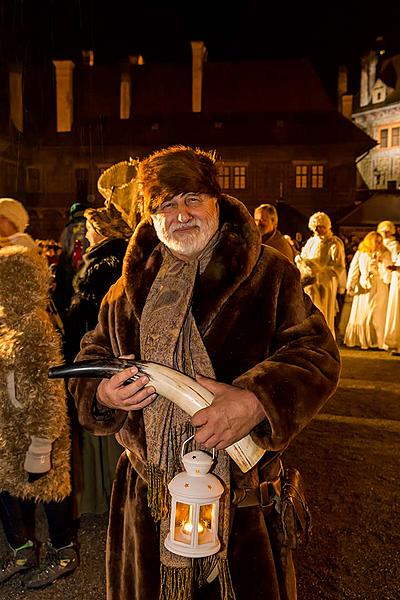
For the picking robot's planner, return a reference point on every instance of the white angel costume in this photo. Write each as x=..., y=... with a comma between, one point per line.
x=368, y=281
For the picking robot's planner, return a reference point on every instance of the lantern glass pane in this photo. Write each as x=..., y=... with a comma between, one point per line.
x=206, y=524
x=183, y=523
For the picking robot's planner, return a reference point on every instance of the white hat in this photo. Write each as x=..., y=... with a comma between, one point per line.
x=14, y=212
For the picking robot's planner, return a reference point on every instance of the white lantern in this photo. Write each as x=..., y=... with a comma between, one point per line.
x=194, y=508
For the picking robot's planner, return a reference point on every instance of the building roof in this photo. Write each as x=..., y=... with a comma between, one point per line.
x=301, y=129
x=381, y=206
x=227, y=87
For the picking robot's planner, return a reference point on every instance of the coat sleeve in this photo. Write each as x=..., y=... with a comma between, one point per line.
x=302, y=371
x=102, y=342
x=354, y=273
x=44, y=400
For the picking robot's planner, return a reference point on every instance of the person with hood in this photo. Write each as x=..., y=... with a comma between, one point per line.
x=34, y=427
x=73, y=245
x=107, y=234
x=201, y=294
x=323, y=267
x=14, y=219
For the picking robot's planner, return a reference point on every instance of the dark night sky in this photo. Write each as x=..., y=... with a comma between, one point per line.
x=38, y=30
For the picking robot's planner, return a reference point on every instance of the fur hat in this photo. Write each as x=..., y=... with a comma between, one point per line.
x=177, y=170
x=108, y=222
x=14, y=212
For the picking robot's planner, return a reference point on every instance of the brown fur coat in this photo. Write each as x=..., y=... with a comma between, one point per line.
x=262, y=333
x=30, y=404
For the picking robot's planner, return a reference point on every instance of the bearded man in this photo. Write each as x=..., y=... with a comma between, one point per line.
x=199, y=293
x=266, y=218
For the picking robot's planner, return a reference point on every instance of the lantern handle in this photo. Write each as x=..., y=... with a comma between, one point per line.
x=188, y=440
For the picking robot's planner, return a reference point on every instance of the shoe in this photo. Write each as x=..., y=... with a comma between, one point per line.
x=59, y=563
x=18, y=560
x=395, y=353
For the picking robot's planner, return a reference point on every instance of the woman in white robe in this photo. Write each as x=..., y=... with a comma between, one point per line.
x=322, y=260
x=391, y=336
x=368, y=282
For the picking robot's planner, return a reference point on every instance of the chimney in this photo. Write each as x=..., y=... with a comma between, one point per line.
x=125, y=94
x=16, y=99
x=64, y=94
x=373, y=61
x=368, y=76
x=364, y=96
x=342, y=85
x=198, y=58
x=347, y=106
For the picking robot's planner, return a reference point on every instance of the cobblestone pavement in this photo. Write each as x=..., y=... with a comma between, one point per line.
x=350, y=458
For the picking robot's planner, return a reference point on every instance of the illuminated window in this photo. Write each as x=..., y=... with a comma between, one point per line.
x=309, y=176
x=232, y=177
x=317, y=176
x=239, y=178
x=301, y=177
x=384, y=138
x=396, y=136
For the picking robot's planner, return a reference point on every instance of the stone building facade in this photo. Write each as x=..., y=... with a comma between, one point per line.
x=377, y=111
x=274, y=129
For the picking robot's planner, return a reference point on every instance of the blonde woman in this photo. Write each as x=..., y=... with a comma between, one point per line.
x=368, y=281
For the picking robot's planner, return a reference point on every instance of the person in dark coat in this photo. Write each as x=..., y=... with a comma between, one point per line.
x=201, y=294
x=107, y=234
x=266, y=218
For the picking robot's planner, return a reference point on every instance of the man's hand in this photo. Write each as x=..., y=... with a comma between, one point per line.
x=233, y=413
x=133, y=396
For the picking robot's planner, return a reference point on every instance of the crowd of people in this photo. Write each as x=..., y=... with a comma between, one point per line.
x=165, y=291
x=355, y=283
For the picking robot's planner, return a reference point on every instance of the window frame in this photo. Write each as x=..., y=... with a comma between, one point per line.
x=233, y=175
x=309, y=175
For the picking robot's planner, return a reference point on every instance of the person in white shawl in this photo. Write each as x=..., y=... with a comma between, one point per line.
x=367, y=282
x=391, y=337
x=322, y=263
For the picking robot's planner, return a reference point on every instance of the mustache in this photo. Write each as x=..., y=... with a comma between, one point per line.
x=192, y=223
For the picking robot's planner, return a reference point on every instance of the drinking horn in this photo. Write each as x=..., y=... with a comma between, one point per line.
x=181, y=389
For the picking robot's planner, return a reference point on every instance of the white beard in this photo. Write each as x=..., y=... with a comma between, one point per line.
x=191, y=243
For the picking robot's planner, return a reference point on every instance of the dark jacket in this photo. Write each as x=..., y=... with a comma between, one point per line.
x=279, y=242
x=262, y=333
x=101, y=268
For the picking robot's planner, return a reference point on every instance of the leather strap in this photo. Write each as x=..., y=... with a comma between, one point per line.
x=263, y=496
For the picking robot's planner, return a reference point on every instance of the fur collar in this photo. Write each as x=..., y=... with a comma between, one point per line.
x=232, y=262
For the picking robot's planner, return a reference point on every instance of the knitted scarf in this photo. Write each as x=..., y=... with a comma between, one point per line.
x=169, y=335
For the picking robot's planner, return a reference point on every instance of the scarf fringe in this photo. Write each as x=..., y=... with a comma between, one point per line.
x=157, y=492
x=176, y=584
x=225, y=581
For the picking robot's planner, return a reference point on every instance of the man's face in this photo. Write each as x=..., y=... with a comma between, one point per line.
x=386, y=233
x=7, y=227
x=263, y=221
x=321, y=230
x=186, y=223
